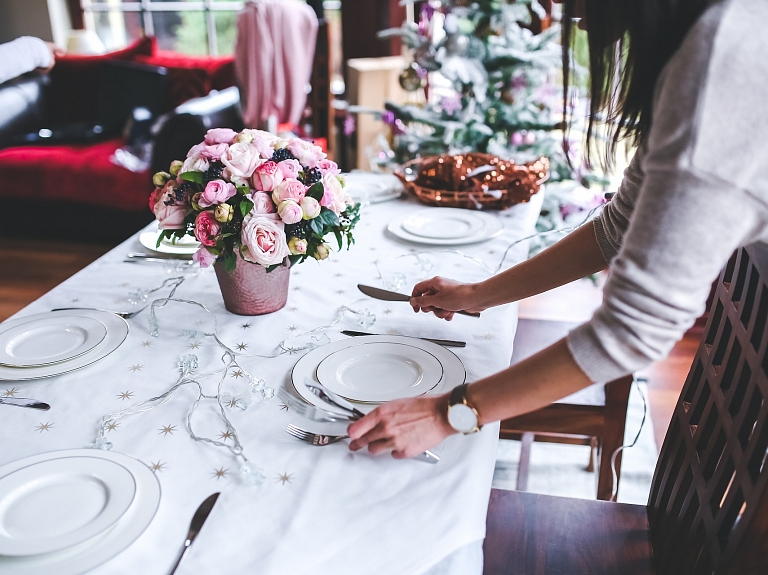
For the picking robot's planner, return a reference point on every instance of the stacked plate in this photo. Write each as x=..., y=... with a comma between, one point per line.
x=53, y=343
x=66, y=512
x=370, y=370
x=372, y=188
x=446, y=227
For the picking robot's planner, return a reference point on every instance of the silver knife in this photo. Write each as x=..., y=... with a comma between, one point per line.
x=198, y=519
x=387, y=295
x=443, y=342
x=25, y=402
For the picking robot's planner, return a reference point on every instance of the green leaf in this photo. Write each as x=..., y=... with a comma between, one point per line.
x=196, y=177
x=165, y=234
x=230, y=262
x=317, y=191
x=297, y=259
x=328, y=217
x=317, y=226
x=337, y=233
x=243, y=189
x=272, y=267
x=245, y=207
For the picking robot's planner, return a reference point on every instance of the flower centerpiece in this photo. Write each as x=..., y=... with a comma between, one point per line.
x=257, y=204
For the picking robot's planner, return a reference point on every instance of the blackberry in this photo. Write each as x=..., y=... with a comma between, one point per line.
x=312, y=176
x=301, y=230
x=282, y=154
x=215, y=168
x=187, y=189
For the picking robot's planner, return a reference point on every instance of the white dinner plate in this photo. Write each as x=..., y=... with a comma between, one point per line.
x=101, y=548
x=117, y=331
x=445, y=226
x=372, y=188
x=49, y=340
x=60, y=503
x=379, y=372
x=184, y=246
x=305, y=369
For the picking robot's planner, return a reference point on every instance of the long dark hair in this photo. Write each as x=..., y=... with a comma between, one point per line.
x=630, y=42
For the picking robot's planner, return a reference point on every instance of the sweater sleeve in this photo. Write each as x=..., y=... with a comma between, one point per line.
x=23, y=55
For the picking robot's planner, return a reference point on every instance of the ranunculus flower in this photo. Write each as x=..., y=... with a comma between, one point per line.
x=169, y=214
x=267, y=176
x=290, y=212
x=194, y=164
x=220, y=136
x=216, y=192
x=289, y=190
x=206, y=228
x=290, y=168
x=321, y=252
x=154, y=197
x=306, y=152
x=214, y=151
x=241, y=159
x=262, y=203
x=196, y=150
x=297, y=247
x=310, y=207
x=334, y=197
x=224, y=213
x=263, y=240
x=263, y=141
x=328, y=167
x=204, y=257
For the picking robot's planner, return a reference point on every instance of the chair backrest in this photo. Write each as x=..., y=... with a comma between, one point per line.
x=708, y=506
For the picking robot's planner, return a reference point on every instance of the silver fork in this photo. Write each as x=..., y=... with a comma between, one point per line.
x=320, y=440
x=122, y=314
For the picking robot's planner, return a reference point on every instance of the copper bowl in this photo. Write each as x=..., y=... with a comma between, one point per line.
x=473, y=181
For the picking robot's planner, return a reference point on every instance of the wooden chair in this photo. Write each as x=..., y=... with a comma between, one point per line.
x=707, y=512
x=594, y=417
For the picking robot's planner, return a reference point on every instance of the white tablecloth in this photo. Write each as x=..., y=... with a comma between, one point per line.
x=320, y=510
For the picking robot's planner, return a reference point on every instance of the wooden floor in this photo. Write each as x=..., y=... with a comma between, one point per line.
x=31, y=268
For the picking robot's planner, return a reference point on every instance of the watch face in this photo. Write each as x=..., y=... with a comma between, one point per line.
x=462, y=418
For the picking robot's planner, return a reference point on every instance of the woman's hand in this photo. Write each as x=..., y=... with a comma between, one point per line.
x=406, y=427
x=444, y=297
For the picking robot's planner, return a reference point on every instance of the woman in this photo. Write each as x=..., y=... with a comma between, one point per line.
x=691, y=95
x=25, y=54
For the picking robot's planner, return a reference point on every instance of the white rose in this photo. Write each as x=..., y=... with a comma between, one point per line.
x=263, y=240
x=194, y=164
x=241, y=159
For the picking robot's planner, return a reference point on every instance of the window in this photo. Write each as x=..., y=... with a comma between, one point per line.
x=195, y=27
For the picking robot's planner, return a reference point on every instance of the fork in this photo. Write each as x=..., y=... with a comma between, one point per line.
x=320, y=440
x=122, y=314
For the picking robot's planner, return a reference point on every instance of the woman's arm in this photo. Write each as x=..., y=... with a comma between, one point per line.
x=24, y=55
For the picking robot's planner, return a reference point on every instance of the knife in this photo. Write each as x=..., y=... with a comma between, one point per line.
x=202, y=513
x=25, y=402
x=443, y=342
x=387, y=295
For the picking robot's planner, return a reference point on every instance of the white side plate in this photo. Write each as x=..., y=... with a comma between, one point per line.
x=432, y=223
x=185, y=246
x=56, y=504
x=49, y=340
x=379, y=372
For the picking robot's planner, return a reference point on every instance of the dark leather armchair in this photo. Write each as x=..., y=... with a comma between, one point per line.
x=23, y=105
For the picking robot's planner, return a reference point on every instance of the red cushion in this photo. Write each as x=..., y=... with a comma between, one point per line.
x=73, y=173
x=75, y=79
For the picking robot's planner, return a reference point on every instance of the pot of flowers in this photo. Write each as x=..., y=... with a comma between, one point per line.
x=258, y=204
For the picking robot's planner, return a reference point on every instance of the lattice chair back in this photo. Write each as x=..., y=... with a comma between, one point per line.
x=708, y=506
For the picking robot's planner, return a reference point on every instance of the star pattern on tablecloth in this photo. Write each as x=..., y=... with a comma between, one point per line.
x=338, y=275
x=392, y=332
x=242, y=346
x=292, y=328
x=387, y=312
x=44, y=427
x=194, y=345
x=157, y=466
x=340, y=291
x=488, y=336
x=219, y=473
x=112, y=426
x=125, y=395
x=167, y=429
x=125, y=285
x=293, y=308
x=11, y=392
x=245, y=325
x=199, y=322
x=224, y=435
x=284, y=478
x=232, y=403
x=283, y=407
x=237, y=373
x=146, y=344
x=75, y=300
x=297, y=288
x=135, y=368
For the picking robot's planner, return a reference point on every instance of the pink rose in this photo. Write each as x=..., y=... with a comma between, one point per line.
x=262, y=203
x=334, y=197
x=290, y=212
x=169, y=214
x=306, y=152
x=290, y=168
x=263, y=240
x=214, y=152
x=196, y=150
x=264, y=142
x=289, y=190
x=206, y=228
x=155, y=196
x=204, y=258
x=241, y=159
x=216, y=192
x=328, y=167
x=220, y=136
x=310, y=207
x=267, y=176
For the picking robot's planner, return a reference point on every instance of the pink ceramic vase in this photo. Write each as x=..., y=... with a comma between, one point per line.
x=250, y=290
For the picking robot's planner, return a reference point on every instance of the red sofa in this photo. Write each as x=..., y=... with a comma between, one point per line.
x=81, y=179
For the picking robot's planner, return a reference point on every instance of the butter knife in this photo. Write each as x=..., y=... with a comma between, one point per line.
x=443, y=342
x=25, y=402
x=387, y=295
x=202, y=513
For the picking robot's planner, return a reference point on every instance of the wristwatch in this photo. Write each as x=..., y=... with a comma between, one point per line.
x=462, y=416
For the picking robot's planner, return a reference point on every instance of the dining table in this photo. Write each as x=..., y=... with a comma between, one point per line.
x=316, y=509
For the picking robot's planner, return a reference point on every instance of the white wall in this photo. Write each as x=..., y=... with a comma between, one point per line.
x=46, y=19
